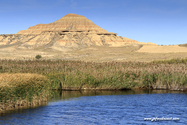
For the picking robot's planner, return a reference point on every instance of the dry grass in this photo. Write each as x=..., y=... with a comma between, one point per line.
x=18, y=79
x=97, y=54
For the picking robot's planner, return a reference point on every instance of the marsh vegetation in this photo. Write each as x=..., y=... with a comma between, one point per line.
x=32, y=79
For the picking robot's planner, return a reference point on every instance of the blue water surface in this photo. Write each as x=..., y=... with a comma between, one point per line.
x=105, y=109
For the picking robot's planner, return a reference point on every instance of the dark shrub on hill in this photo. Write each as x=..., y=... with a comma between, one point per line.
x=38, y=56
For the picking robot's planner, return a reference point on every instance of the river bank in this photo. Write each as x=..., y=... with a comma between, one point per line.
x=23, y=82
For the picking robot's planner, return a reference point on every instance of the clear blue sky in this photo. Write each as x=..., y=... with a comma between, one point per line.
x=157, y=21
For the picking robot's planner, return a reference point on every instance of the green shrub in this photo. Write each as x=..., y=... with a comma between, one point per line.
x=38, y=56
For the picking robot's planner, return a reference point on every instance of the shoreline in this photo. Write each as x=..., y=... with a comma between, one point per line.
x=35, y=104
x=27, y=105
x=158, y=87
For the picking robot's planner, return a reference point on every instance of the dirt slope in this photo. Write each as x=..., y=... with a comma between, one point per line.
x=162, y=49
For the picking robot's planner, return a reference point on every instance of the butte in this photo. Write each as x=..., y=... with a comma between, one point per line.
x=70, y=32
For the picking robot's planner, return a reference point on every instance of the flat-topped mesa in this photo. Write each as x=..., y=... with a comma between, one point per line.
x=70, y=22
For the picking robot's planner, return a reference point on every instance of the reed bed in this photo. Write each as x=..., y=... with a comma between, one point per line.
x=22, y=90
x=106, y=75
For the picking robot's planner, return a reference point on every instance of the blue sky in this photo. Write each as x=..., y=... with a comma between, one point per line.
x=158, y=21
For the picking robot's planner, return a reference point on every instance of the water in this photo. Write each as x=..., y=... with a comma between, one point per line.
x=105, y=107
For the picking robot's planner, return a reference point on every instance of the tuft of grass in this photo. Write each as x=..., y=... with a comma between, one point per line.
x=22, y=89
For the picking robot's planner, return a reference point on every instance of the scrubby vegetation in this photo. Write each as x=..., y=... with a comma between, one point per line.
x=183, y=45
x=76, y=75
x=171, y=61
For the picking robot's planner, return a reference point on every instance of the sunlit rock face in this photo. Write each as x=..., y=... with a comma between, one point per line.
x=71, y=31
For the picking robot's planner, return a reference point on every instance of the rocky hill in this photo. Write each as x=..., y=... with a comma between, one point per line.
x=69, y=32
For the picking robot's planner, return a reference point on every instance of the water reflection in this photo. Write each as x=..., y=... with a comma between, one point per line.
x=65, y=95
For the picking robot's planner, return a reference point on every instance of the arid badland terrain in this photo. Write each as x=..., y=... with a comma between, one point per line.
x=74, y=37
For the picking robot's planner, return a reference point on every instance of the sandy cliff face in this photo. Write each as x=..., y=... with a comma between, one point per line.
x=71, y=31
